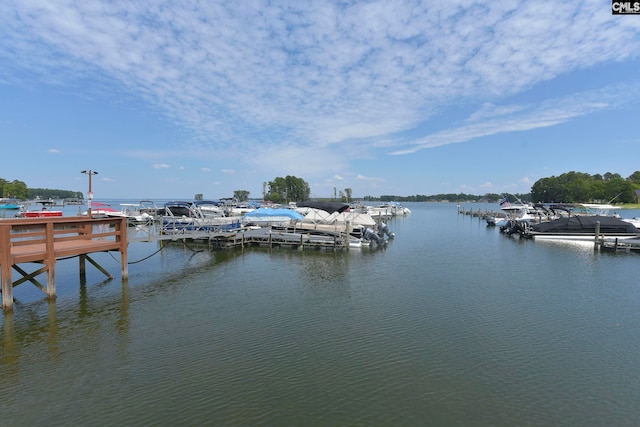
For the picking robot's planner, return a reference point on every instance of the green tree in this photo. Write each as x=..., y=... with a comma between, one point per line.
x=287, y=189
x=635, y=177
x=15, y=189
x=3, y=182
x=241, y=195
x=348, y=192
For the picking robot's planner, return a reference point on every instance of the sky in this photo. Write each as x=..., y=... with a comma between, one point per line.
x=169, y=99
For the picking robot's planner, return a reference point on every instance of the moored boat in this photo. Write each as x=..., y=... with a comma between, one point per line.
x=181, y=217
x=9, y=208
x=43, y=212
x=580, y=227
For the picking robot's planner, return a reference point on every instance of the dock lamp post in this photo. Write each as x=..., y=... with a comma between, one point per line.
x=90, y=194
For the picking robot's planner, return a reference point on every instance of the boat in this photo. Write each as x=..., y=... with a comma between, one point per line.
x=102, y=210
x=73, y=201
x=43, y=212
x=329, y=207
x=272, y=216
x=387, y=210
x=520, y=212
x=9, y=208
x=211, y=208
x=149, y=207
x=517, y=212
x=182, y=217
x=132, y=212
x=232, y=207
x=580, y=227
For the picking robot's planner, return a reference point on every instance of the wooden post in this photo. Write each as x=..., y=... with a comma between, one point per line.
x=597, y=235
x=349, y=230
x=83, y=268
x=7, y=281
x=51, y=260
x=124, y=246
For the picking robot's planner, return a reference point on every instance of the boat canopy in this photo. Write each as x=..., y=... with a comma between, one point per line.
x=330, y=207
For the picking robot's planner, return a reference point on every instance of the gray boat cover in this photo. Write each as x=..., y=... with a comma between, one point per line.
x=330, y=207
x=586, y=224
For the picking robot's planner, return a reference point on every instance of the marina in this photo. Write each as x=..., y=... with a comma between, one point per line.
x=452, y=322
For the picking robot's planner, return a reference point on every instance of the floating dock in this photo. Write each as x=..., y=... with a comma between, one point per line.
x=263, y=236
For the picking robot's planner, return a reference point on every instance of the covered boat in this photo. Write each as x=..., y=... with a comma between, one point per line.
x=270, y=216
x=581, y=227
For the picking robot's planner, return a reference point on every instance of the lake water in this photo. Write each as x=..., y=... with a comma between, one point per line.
x=451, y=324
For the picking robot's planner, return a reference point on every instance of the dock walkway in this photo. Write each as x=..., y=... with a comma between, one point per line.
x=264, y=236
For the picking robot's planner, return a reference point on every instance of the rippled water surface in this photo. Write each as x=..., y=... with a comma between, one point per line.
x=451, y=324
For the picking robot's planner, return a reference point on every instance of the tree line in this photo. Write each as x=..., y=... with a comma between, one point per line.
x=17, y=189
x=575, y=187
x=570, y=187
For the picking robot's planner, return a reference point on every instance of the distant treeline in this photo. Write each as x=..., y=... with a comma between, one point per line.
x=570, y=187
x=578, y=187
x=449, y=197
x=18, y=190
x=47, y=193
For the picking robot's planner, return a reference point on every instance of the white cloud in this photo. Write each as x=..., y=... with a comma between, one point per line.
x=368, y=178
x=521, y=118
x=303, y=88
x=316, y=73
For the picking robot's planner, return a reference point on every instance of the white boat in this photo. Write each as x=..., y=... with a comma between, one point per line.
x=211, y=208
x=516, y=212
x=132, y=212
x=182, y=217
x=388, y=210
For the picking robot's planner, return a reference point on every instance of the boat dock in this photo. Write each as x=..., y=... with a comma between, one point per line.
x=620, y=245
x=46, y=240
x=263, y=236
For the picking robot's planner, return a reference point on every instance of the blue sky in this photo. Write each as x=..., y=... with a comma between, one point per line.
x=166, y=99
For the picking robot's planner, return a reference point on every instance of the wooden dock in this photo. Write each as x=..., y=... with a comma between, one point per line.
x=46, y=240
x=264, y=236
x=273, y=238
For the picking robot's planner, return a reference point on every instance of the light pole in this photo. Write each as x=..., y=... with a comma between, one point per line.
x=90, y=194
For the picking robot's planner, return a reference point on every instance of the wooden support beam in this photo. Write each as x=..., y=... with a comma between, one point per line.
x=98, y=266
x=30, y=277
